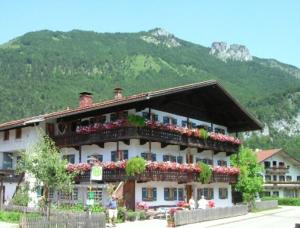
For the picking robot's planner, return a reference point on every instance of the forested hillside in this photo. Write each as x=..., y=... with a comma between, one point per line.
x=44, y=71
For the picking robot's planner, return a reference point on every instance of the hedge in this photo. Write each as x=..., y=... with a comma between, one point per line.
x=285, y=201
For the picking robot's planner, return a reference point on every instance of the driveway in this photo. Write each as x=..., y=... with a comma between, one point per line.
x=284, y=217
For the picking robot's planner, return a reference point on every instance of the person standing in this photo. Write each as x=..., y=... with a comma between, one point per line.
x=192, y=203
x=112, y=210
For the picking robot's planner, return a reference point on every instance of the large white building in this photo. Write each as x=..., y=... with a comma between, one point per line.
x=171, y=136
x=281, y=173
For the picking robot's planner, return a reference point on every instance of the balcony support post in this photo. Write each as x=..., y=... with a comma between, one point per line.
x=149, y=156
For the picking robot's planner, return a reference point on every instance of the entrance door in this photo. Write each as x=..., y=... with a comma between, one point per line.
x=189, y=192
x=129, y=194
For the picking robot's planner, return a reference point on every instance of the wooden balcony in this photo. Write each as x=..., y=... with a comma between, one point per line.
x=144, y=133
x=116, y=175
x=283, y=182
x=277, y=170
x=9, y=175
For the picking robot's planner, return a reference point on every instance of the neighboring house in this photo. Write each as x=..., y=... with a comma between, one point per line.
x=281, y=173
x=88, y=131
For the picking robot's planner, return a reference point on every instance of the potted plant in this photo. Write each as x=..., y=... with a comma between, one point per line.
x=205, y=173
x=135, y=166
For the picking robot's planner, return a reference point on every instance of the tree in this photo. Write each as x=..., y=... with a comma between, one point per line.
x=250, y=181
x=43, y=161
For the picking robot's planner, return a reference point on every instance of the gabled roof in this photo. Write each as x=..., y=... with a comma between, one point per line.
x=207, y=101
x=265, y=154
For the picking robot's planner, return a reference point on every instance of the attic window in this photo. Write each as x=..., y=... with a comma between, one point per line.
x=6, y=135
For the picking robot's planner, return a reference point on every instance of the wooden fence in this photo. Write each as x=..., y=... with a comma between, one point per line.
x=200, y=215
x=65, y=220
x=267, y=204
x=58, y=219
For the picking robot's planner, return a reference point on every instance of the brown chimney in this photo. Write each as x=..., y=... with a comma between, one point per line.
x=118, y=93
x=85, y=99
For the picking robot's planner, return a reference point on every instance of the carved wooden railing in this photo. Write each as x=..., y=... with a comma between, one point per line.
x=156, y=175
x=277, y=170
x=155, y=135
x=10, y=175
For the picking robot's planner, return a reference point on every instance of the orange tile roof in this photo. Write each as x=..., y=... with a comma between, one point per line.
x=265, y=154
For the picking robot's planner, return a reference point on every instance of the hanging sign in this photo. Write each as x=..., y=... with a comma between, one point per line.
x=96, y=173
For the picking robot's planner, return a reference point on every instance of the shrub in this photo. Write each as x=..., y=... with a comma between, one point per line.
x=10, y=216
x=203, y=133
x=21, y=197
x=121, y=214
x=135, y=166
x=131, y=215
x=205, y=173
x=285, y=201
x=142, y=215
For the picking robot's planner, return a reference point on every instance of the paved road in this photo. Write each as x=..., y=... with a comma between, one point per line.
x=285, y=217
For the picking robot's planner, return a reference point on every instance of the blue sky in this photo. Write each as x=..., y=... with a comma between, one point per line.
x=270, y=29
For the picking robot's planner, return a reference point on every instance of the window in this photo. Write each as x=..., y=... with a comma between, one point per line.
x=145, y=115
x=266, y=193
x=281, y=164
x=288, y=178
x=7, y=160
x=170, y=194
x=223, y=193
x=6, y=135
x=70, y=158
x=173, y=121
x=166, y=120
x=222, y=163
x=172, y=158
x=298, y=178
x=146, y=155
x=205, y=160
x=274, y=163
x=180, y=194
x=113, y=117
x=267, y=178
x=69, y=195
x=267, y=164
x=154, y=117
x=149, y=194
x=281, y=178
x=276, y=193
x=208, y=193
x=219, y=130
x=102, y=119
x=274, y=178
x=39, y=191
x=184, y=123
x=51, y=194
x=97, y=194
x=119, y=155
x=18, y=133
x=99, y=157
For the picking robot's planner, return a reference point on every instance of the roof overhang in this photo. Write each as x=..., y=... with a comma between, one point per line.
x=207, y=101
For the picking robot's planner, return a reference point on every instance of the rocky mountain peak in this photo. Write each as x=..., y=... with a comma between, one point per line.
x=159, y=36
x=234, y=52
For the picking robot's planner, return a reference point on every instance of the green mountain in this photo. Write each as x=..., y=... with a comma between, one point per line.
x=44, y=71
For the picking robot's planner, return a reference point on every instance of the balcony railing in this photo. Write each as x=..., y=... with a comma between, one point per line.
x=155, y=135
x=277, y=169
x=283, y=182
x=9, y=175
x=155, y=175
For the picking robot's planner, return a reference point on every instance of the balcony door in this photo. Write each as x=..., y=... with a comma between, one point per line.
x=189, y=158
x=7, y=161
x=189, y=192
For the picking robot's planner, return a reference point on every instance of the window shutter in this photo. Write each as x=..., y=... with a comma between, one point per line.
x=113, y=156
x=125, y=154
x=179, y=159
x=175, y=193
x=166, y=120
x=154, y=192
x=153, y=157
x=72, y=158
x=144, y=194
x=180, y=194
x=166, y=194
